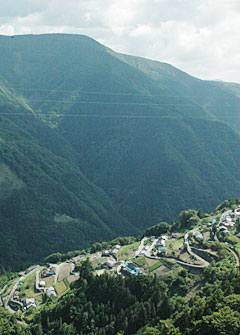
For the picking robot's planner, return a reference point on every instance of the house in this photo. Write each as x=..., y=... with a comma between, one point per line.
x=52, y=269
x=29, y=302
x=198, y=235
x=107, y=264
x=230, y=223
x=165, y=237
x=222, y=228
x=162, y=240
x=115, y=248
x=50, y=291
x=132, y=268
x=42, y=283
x=77, y=258
x=237, y=212
x=162, y=243
x=162, y=250
x=114, y=251
x=175, y=235
x=106, y=253
x=16, y=295
x=212, y=222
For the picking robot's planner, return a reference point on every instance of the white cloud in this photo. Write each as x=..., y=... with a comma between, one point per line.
x=7, y=29
x=199, y=37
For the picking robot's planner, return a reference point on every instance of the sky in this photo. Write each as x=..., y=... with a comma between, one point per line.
x=200, y=37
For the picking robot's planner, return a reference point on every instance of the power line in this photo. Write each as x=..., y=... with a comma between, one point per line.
x=124, y=94
x=94, y=115
x=106, y=116
x=85, y=92
x=129, y=103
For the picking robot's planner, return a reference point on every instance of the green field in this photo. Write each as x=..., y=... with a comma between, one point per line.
x=175, y=243
x=60, y=287
x=28, y=286
x=155, y=266
x=140, y=261
x=124, y=252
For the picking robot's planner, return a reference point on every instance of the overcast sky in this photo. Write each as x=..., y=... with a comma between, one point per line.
x=201, y=37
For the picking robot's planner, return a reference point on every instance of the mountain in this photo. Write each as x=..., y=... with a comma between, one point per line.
x=46, y=203
x=219, y=100
x=100, y=143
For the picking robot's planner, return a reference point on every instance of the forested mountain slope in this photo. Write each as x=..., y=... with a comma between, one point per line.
x=154, y=139
x=46, y=203
x=220, y=100
x=156, y=167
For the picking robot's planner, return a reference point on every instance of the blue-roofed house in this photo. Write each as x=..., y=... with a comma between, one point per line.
x=132, y=268
x=162, y=250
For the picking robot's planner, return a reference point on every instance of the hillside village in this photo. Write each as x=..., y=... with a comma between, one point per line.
x=211, y=239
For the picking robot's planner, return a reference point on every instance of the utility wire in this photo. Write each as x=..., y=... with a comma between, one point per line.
x=118, y=93
x=104, y=116
x=127, y=103
x=93, y=115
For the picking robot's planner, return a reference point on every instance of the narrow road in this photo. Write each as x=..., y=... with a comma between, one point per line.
x=189, y=249
x=148, y=252
x=197, y=266
x=119, y=268
x=37, y=281
x=9, y=298
x=1, y=301
x=236, y=256
x=141, y=246
x=57, y=272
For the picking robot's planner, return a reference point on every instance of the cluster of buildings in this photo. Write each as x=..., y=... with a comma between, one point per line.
x=76, y=259
x=108, y=265
x=23, y=303
x=161, y=244
x=227, y=221
x=113, y=251
x=52, y=269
